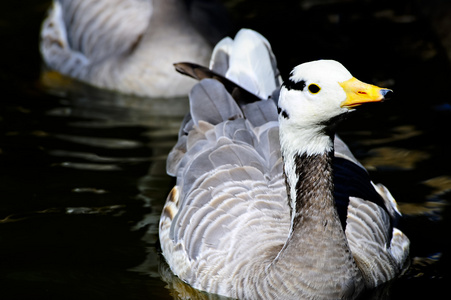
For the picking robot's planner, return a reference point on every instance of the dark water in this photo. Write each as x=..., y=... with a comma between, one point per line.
x=82, y=177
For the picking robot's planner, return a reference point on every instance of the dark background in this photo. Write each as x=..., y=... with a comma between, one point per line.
x=82, y=177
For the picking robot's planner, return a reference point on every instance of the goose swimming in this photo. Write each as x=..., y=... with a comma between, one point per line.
x=269, y=203
x=128, y=45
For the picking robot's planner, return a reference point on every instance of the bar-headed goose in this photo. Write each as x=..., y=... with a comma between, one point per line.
x=269, y=203
x=129, y=45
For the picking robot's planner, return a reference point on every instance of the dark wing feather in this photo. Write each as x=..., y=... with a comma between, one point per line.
x=352, y=181
x=241, y=96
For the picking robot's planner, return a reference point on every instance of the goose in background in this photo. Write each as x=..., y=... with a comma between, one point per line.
x=130, y=45
x=269, y=203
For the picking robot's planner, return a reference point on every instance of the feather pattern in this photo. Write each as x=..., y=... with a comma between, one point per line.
x=229, y=60
x=228, y=226
x=125, y=45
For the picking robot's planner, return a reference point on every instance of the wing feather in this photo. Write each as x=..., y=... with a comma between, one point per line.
x=369, y=234
x=210, y=102
x=97, y=28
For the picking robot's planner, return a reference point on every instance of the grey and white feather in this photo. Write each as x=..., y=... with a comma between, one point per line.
x=128, y=45
x=275, y=206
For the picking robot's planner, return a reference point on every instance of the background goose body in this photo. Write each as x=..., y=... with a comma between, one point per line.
x=254, y=213
x=126, y=45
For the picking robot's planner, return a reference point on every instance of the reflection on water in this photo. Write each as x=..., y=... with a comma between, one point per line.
x=82, y=171
x=90, y=207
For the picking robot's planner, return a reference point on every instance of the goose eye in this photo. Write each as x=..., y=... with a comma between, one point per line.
x=314, y=88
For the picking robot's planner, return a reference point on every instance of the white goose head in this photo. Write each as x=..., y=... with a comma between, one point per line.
x=315, y=97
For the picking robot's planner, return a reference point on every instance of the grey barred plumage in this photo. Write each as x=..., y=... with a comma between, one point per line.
x=130, y=45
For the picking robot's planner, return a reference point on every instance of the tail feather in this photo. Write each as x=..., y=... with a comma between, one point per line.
x=249, y=61
x=246, y=66
x=239, y=94
x=221, y=56
x=252, y=63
